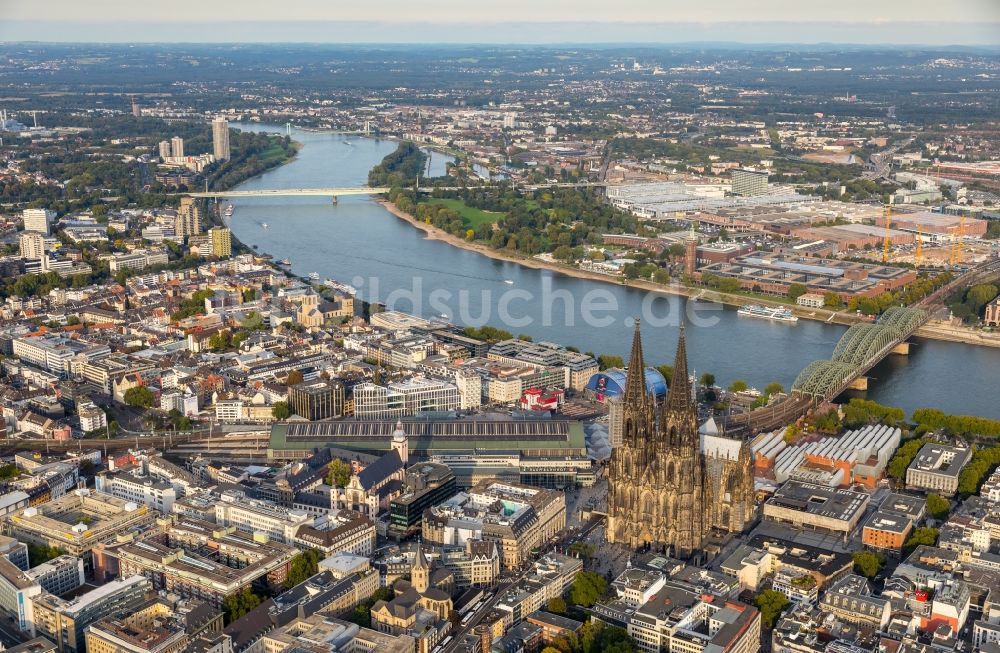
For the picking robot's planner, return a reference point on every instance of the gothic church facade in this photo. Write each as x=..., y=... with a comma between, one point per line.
x=671, y=483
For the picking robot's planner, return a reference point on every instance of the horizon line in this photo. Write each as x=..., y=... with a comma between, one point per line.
x=579, y=33
x=519, y=44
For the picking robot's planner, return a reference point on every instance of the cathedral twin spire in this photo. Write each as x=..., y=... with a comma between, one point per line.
x=635, y=383
x=679, y=397
x=662, y=488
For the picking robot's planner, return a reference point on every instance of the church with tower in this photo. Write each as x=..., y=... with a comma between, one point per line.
x=672, y=482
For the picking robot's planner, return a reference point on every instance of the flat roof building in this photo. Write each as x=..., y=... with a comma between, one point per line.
x=405, y=398
x=936, y=226
x=427, y=484
x=260, y=517
x=678, y=618
x=143, y=490
x=748, y=183
x=78, y=521
x=323, y=632
x=772, y=273
x=517, y=517
x=816, y=507
x=317, y=400
x=577, y=367
x=936, y=468
x=38, y=220
x=57, y=353
x=64, y=621
x=202, y=560
x=886, y=531
x=904, y=504
x=159, y=625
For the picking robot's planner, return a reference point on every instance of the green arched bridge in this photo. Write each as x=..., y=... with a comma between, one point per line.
x=860, y=348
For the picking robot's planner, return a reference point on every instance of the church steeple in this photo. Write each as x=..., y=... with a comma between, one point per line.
x=420, y=572
x=635, y=384
x=679, y=397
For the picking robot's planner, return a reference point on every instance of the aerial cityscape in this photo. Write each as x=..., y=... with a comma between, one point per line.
x=544, y=328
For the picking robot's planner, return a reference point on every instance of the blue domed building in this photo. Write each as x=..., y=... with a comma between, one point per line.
x=611, y=383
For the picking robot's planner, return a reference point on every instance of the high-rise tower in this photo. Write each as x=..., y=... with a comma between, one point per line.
x=188, y=221
x=220, y=139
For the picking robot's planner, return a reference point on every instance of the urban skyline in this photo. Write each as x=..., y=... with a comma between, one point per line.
x=324, y=345
x=966, y=22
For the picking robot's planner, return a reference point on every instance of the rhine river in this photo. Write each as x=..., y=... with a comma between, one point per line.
x=357, y=241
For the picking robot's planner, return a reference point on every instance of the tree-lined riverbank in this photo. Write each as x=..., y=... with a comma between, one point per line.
x=359, y=241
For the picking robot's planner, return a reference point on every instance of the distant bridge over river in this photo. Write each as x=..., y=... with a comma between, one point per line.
x=362, y=190
x=293, y=192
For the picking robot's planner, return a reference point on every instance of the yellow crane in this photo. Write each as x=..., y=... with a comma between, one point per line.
x=961, y=237
x=888, y=240
x=955, y=256
x=919, y=255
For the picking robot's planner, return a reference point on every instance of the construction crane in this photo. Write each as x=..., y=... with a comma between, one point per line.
x=955, y=254
x=919, y=254
x=961, y=237
x=888, y=240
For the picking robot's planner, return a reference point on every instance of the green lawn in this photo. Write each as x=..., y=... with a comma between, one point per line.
x=472, y=217
x=272, y=153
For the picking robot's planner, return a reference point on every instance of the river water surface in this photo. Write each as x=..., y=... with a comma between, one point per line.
x=357, y=241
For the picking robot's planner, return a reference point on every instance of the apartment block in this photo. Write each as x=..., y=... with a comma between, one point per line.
x=65, y=621
x=159, y=625
x=201, y=560
x=936, y=468
x=143, y=490
x=516, y=517
x=79, y=521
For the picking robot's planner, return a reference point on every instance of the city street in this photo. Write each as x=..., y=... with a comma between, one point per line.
x=585, y=498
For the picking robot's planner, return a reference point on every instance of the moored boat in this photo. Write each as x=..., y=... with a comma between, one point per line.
x=340, y=287
x=776, y=313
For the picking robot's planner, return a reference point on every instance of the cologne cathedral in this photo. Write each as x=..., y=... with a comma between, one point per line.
x=670, y=483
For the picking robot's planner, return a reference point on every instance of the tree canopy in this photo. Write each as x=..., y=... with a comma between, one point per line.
x=338, y=473
x=937, y=506
x=39, y=553
x=982, y=464
x=362, y=613
x=903, y=457
x=280, y=410
x=140, y=396
x=587, y=589
x=919, y=536
x=304, y=565
x=608, y=361
x=868, y=563
x=771, y=604
x=487, y=333
x=595, y=637
x=239, y=604
x=862, y=412
x=930, y=419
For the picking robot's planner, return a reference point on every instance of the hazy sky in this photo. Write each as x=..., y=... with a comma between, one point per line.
x=415, y=21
